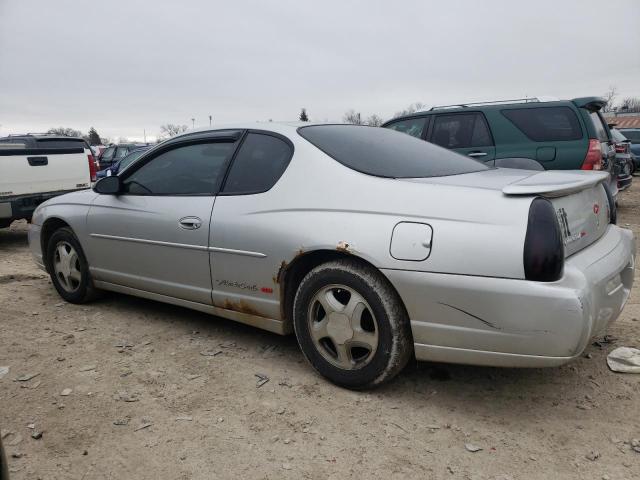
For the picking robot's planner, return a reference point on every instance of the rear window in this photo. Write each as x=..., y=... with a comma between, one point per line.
x=60, y=143
x=546, y=124
x=386, y=153
x=601, y=132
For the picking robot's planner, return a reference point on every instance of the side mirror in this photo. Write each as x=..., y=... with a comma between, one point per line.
x=108, y=185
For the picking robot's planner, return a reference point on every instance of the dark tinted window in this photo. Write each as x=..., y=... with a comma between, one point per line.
x=633, y=135
x=546, y=124
x=60, y=143
x=410, y=126
x=129, y=159
x=107, y=155
x=386, y=153
x=189, y=170
x=461, y=131
x=258, y=165
x=601, y=131
x=121, y=152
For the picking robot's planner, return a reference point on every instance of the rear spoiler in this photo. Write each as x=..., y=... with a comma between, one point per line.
x=555, y=183
x=590, y=103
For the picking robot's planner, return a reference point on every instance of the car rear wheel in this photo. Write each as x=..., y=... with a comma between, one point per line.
x=68, y=267
x=351, y=324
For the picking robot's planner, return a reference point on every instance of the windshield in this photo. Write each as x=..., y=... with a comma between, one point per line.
x=386, y=153
x=129, y=159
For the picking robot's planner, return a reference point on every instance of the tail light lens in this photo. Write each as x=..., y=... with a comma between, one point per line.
x=543, y=245
x=593, y=160
x=92, y=167
x=621, y=148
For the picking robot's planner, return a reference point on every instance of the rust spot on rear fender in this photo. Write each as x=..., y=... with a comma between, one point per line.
x=343, y=247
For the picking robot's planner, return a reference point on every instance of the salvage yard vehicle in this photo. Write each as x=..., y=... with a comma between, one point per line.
x=36, y=167
x=369, y=244
x=624, y=160
x=128, y=159
x=114, y=153
x=549, y=135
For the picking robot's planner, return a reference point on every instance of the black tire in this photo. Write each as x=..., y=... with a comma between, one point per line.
x=84, y=291
x=392, y=330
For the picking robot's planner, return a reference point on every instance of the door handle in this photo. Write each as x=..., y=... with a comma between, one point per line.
x=477, y=154
x=38, y=161
x=190, y=223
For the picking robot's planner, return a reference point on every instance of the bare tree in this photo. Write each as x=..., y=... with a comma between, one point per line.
x=374, y=120
x=413, y=108
x=352, y=117
x=171, y=130
x=630, y=104
x=69, y=132
x=610, y=97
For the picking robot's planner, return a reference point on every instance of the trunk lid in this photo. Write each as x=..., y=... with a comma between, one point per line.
x=579, y=199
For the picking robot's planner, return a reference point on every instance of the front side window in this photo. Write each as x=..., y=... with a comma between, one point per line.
x=386, y=153
x=260, y=162
x=130, y=158
x=546, y=124
x=195, y=169
x=411, y=126
x=461, y=131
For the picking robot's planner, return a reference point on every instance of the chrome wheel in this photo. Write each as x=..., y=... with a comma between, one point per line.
x=343, y=327
x=66, y=266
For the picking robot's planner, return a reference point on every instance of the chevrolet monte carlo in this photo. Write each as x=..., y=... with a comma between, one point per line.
x=372, y=246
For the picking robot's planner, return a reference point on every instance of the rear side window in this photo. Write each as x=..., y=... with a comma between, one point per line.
x=546, y=124
x=601, y=131
x=107, y=155
x=461, y=131
x=411, y=126
x=60, y=143
x=259, y=163
x=386, y=153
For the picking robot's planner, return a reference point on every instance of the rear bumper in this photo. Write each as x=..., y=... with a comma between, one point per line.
x=624, y=182
x=518, y=323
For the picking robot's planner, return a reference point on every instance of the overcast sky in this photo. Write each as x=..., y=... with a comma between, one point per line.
x=127, y=65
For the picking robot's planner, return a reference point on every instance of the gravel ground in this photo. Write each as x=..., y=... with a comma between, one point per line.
x=122, y=390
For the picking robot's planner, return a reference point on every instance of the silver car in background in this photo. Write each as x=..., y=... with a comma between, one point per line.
x=372, y=246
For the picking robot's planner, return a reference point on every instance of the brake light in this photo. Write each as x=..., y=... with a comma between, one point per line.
x=621, y=148
x=92, y=167
x=543, y=245
x=593, y=159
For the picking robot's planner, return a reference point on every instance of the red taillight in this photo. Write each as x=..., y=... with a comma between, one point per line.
x=621, y=148
x=92, y=167
x=593, y=160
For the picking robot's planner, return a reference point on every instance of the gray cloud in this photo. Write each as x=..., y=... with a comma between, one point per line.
x=124, y=66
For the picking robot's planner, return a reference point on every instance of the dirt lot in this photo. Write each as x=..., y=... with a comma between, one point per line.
x=146, y=403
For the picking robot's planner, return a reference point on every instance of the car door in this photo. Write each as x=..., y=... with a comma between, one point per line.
x=244, y=244
x=154, y=236
x=466, y=133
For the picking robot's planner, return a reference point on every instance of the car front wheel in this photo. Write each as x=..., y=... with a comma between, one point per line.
x=68, y=267
x=351, y=324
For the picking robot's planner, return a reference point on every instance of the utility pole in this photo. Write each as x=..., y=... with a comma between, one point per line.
x=145, y=135
x=210, y=118
x=193, y=122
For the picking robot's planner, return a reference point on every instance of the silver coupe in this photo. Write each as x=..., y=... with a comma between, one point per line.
x=372, y=246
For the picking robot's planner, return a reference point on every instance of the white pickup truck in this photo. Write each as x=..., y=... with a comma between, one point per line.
x=34, y=168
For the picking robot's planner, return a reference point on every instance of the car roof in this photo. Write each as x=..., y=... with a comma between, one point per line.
x=284, y=128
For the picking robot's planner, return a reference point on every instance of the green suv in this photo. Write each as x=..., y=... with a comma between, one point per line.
x=528, y=133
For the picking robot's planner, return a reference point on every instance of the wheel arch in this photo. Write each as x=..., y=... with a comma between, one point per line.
x=49, y=226
x=291, y=274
